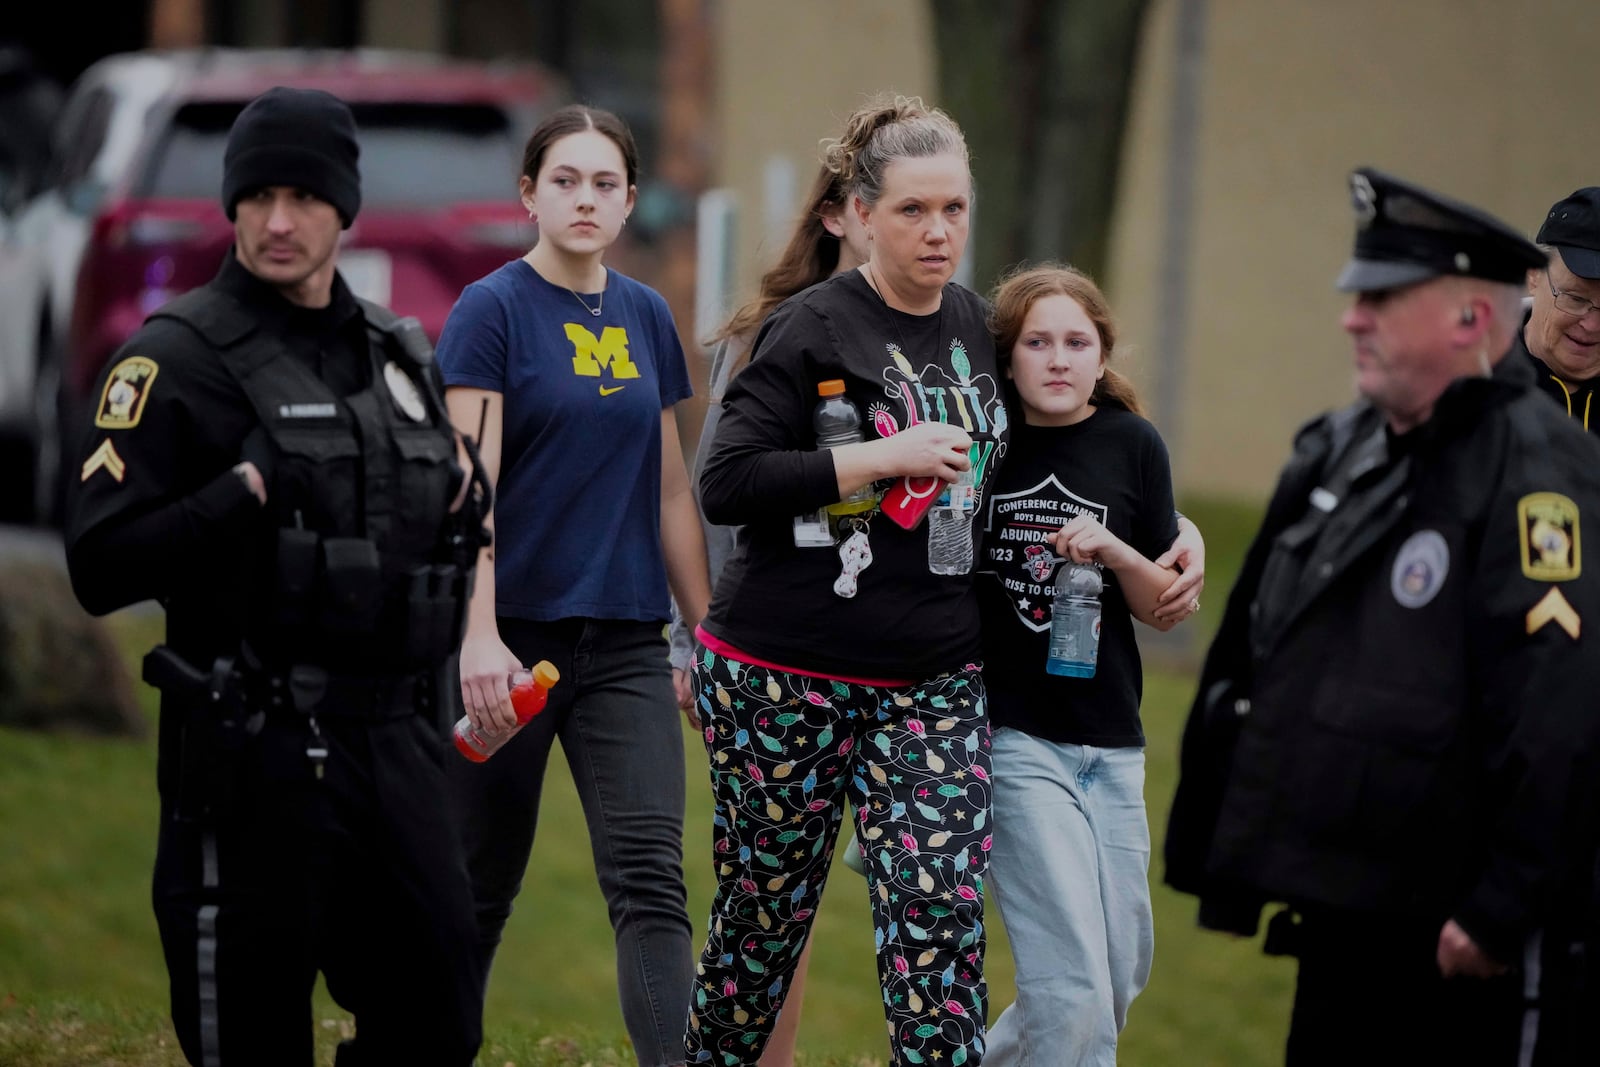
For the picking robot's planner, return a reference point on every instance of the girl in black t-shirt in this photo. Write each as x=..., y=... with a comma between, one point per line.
x=1086, y=481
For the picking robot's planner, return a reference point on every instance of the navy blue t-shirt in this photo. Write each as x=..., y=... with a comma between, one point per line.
x=577, y=509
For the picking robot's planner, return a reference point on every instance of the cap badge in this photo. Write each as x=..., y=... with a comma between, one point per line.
x=1365, y=200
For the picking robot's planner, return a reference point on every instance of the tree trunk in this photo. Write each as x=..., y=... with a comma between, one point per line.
x=1041, y=88
x=684, y=168
x=177, y=23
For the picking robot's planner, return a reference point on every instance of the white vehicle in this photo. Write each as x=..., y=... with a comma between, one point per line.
x=96, y=140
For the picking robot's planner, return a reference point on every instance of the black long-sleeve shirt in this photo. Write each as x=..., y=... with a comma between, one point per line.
x=777, y=602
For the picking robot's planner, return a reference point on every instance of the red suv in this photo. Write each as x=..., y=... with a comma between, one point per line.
x=441, y=144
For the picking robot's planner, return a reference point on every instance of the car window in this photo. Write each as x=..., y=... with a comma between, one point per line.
x=412, y=155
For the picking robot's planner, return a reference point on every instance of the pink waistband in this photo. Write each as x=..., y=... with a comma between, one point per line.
x=722, y=648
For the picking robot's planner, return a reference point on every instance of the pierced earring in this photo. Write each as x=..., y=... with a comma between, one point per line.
x=533, y=216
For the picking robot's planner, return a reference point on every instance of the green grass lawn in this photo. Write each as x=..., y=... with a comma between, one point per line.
x=82, y=981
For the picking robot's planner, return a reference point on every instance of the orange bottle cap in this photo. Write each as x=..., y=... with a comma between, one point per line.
x=545, y=673
x=831, y=387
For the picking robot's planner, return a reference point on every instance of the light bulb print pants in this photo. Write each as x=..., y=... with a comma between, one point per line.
x=786, y=750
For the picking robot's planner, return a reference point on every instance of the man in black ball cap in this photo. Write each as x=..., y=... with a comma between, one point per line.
x=1395, y=735
x=1560, y=333
x=270, y=458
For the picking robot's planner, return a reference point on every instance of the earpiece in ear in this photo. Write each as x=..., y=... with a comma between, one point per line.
x=1468, y=316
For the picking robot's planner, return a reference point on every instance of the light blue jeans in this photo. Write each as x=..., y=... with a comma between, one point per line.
x=1070, y=871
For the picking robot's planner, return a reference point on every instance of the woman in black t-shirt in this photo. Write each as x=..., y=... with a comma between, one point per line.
x=1086, y=481
x=849, y=669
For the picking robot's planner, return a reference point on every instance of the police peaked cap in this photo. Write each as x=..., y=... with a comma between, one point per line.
x=1407, y=234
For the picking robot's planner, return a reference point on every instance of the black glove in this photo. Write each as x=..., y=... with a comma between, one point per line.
x=257, y=449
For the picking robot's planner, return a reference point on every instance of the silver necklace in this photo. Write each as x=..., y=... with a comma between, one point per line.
x=595, y=311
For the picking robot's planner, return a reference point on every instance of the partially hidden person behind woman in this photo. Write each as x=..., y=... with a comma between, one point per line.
x=851, y=667
x=828, y=239
x=573, y=370
x=1086, y=481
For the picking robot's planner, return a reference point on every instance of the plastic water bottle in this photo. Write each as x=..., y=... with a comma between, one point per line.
x=1075, y=622
x=837, y=421
x=950, y=526
x=529, y=692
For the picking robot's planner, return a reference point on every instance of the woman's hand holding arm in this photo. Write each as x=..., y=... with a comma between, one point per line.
x=1188, y=553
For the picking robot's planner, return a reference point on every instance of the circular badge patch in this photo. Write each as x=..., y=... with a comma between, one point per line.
x=404, y=391
x=1420, y=568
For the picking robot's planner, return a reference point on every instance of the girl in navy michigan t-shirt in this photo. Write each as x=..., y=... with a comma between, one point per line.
x=573, y=371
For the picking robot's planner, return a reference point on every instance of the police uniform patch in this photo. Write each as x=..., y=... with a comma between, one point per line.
x=127, y=388
x=404, y=391
x=1420, y=568
x=104, y=458
x=1547, y=524
x=1557, y=609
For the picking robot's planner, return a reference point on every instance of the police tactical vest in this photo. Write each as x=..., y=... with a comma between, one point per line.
x=361, y=579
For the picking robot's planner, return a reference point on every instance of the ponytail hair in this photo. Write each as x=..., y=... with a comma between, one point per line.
x=811, y=256
x=884, y=131
x=1016, y=294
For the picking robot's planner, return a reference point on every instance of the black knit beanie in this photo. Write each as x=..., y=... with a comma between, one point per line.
x=304, y=138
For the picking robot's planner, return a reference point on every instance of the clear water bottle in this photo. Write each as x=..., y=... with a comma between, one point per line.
x=529, y=692
x=1075, y=622
x=837, y=421
x=950, y=526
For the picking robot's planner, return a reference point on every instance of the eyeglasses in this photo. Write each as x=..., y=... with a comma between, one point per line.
x=1570, y=303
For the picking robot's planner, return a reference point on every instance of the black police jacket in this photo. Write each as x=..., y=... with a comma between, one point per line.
x=1416, y=734
x=361, y=469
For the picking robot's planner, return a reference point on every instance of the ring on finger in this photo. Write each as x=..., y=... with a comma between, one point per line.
x=1194, y=605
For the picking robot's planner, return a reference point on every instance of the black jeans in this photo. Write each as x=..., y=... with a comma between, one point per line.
x=358, y=874
x=617, y=720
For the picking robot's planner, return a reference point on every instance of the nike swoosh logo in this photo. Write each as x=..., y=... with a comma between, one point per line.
x=614, y=389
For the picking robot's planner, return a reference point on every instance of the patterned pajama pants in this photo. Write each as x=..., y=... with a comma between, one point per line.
x=786, y=750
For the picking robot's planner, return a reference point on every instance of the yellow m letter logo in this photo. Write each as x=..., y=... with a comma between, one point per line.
x=611, y=350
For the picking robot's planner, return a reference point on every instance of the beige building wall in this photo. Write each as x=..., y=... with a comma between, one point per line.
x=788, y=75
x=1482, y=99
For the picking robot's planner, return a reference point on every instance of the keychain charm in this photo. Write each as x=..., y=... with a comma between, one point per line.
x=856, y=555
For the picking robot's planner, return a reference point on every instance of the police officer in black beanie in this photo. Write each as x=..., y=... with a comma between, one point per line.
x=1395, y=732
x=271, y=460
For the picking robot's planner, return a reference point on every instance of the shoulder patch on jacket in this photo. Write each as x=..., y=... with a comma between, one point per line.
x=1555, y=608
x=104, y=458
x=127, y=388
x=1547, y=526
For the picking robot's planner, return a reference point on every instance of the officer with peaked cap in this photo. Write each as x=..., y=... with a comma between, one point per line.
x=1394, y=734
x=1560, y=335
x=271, y=460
